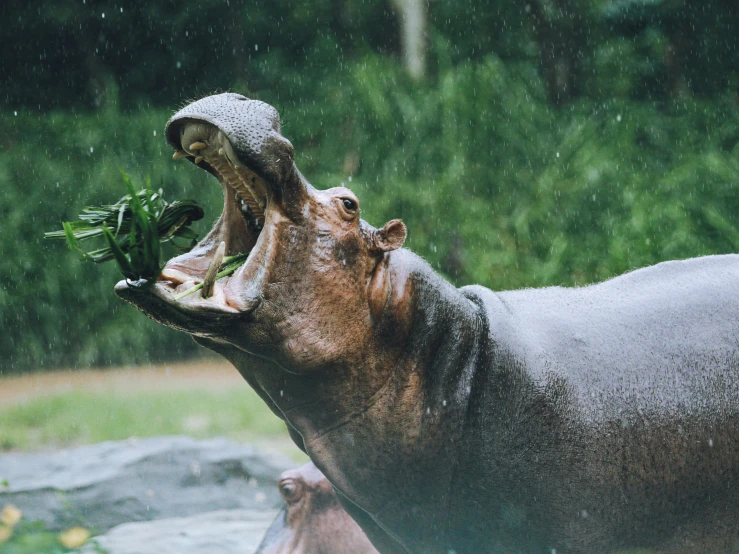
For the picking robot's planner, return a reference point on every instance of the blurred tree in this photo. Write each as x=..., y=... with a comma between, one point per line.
x=699, y=55
x=412, y=16
x=560, y=30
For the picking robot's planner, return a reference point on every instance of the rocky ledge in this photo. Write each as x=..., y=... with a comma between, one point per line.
x=107, y=484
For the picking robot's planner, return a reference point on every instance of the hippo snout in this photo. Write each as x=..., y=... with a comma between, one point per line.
x=249, y=134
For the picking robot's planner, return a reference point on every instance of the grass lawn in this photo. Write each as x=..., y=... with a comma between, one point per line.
x=75, y=418
x=201, y=399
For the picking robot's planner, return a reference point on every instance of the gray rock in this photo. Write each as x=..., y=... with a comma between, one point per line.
x=221, y=532
x=103, y=485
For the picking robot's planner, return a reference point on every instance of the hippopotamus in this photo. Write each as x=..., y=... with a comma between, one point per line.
x=312, y=521
x=460, y=420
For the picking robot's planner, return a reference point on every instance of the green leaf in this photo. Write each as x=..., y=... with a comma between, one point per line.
x=123, y=262
x=121, y=213
x=72, y=240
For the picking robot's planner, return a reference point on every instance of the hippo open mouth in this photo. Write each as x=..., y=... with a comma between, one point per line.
x=238, y=141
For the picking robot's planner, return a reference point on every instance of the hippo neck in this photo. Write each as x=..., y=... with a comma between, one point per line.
x=425, y=361
x=407, y=431
x=420, y=369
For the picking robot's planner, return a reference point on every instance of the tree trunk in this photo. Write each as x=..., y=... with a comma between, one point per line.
x=412, y=17
x=558, y=46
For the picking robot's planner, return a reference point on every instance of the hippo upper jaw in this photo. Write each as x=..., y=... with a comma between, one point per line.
x=238, y=141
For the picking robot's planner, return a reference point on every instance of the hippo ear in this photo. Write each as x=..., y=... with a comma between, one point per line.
x=391, y=236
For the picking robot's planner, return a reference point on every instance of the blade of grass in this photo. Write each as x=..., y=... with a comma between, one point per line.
x=230, y=265
x=72, y=240
x=123, y=262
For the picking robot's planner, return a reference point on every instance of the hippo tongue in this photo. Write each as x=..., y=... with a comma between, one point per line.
x=232, y=228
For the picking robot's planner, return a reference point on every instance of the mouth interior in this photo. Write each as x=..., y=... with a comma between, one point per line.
x=246, y=200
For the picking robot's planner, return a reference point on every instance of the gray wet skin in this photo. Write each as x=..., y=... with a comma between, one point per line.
x=581, y=420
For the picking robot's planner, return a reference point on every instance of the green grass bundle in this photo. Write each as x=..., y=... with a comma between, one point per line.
x=133, y=230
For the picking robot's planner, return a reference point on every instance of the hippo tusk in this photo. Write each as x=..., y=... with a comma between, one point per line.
x=212, y=272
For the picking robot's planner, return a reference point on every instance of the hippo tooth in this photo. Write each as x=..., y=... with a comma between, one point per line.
x=221, y=152
x=179, y=154
x=210, y=275
x=198, y=159
x=199, y=145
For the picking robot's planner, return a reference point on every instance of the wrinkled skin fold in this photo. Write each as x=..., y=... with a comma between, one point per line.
x=581, y=420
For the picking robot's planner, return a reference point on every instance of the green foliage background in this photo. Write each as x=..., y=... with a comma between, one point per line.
x=497, y=184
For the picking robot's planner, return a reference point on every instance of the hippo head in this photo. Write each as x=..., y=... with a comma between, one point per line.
x=313, y=521
x=313, y=265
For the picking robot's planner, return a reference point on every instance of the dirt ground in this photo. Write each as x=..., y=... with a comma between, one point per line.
x=200, y=374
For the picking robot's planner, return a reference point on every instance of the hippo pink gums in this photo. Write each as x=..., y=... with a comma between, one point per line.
x=583, y=420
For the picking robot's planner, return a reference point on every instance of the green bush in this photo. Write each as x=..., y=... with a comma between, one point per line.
x=56, y=310
x=496, y=186
x=499, y=188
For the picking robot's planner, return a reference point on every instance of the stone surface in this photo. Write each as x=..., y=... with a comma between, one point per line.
x=103, y=485
x=221, y=532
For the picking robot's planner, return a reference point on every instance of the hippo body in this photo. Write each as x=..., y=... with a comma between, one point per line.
x=576, y=420
x=567, y=420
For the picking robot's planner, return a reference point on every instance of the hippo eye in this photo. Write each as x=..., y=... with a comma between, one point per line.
x=349, y=204
x=289, y=490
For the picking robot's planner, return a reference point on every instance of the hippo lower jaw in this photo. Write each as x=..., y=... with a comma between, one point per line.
x=245, y=226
